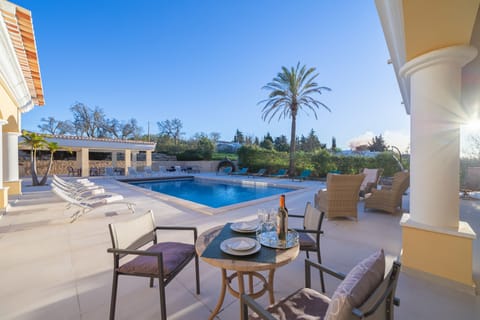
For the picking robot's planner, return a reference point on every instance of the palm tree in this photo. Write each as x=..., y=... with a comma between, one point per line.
x=34, y=141
x=37, y=141
x=52, y=147
x=290, y=91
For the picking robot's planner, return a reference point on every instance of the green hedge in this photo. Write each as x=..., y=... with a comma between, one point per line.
x=320, y=162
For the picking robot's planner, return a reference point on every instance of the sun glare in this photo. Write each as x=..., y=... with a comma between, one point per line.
x=472, y=126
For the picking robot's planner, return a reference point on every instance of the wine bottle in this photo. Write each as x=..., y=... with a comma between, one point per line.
x=282, y=220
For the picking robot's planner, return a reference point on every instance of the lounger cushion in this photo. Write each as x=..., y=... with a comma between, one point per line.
x=357, y=286
x=113, y=198
x=298, y=305
x=174, y=254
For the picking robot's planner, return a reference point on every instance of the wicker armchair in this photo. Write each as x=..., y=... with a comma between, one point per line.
x=341, y=197
x=389, y=198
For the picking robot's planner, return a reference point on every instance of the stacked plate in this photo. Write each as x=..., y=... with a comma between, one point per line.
x=244, y=226
x=240, y=246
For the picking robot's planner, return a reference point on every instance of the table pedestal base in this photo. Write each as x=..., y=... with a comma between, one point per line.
x=267, y=285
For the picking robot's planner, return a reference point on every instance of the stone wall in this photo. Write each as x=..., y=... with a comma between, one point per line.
x=60, y=166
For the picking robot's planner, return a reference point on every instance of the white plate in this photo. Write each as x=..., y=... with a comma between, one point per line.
x=245, y=227
x=225, y=247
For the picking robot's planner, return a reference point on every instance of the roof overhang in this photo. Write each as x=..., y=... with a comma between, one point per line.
x=77, y=143
x=18, y=59
x=413, y=28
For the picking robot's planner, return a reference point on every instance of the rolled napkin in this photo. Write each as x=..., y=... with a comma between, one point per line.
x=247, y=225
x=242, y=244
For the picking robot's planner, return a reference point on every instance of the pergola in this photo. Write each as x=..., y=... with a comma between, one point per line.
x=83, y=145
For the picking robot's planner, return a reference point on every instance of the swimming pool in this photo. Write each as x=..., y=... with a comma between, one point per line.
x=214, y=194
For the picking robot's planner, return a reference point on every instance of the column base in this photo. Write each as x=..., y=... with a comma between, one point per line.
x=442, y=252
x=3, y=198
x=14, y=187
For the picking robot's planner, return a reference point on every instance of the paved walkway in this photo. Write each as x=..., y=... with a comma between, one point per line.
x=52, y=269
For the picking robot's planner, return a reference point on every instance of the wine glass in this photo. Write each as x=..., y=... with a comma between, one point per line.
x=271, y=224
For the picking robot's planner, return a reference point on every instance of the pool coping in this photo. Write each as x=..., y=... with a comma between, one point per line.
x=206, y=209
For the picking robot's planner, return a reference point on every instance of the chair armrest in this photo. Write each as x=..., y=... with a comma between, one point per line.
x=134, y=252
x=194, y=229
x=308, y=277
x=308, y=230
x=295, y=216
x=247, y=302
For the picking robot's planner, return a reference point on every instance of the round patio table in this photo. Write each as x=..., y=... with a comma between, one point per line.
x=242, y=268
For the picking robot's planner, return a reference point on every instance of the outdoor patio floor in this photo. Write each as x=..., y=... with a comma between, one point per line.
x=53, y=269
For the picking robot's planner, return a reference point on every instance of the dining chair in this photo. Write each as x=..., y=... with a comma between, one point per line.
x=309, y=236
x=162, y=260
x=364, y=293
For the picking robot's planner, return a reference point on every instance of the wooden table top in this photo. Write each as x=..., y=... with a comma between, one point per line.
x=283, y=256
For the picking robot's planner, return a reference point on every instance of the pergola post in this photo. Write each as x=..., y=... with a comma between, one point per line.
x=82, y=158
x=128, y=160
x=148, y=158
x=114, y=159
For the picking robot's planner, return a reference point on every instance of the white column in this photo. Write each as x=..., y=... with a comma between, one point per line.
x=10, y=158
x=435, y=92
x=2, y=154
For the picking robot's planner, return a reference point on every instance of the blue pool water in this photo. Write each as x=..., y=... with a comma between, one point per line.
x=212, y=194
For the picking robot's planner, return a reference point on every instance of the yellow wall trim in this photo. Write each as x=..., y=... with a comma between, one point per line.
x=445, y=254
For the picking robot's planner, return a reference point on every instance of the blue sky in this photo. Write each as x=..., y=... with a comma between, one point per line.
x=205, y=62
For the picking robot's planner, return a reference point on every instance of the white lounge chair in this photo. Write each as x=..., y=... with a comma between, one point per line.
x=90, y=203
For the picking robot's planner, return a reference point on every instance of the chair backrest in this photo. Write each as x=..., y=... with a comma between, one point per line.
x=133, y=233
x=401, y=181
x=379, y=305
x=348, y=184
x=109, y=171
x=132, y=170
x=282, y=172
x=261, y=171
x=371, y=176
x=305, y=173
x=147, y=169
x=472, y=178
x=243, y=170
x=313, y=218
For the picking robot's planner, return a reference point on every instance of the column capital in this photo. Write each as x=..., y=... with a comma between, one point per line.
x=456, y=55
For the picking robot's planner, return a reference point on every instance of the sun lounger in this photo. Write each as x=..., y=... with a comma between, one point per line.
x=260, y=173
x=241, y=172
x=303, y=176
x=282, y=173
x=86, y=204
x=224, y=171
x=133, y=172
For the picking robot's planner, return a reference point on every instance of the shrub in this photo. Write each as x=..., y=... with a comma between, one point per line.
x=256, y=158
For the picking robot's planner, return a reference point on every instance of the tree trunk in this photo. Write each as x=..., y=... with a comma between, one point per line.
x=45, y=177
x=293, y=141
x=33, y=167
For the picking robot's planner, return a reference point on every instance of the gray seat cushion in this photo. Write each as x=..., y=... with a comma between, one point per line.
x=304, y=304
x=357, y=286
x=174, y=254
x=306, y=242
